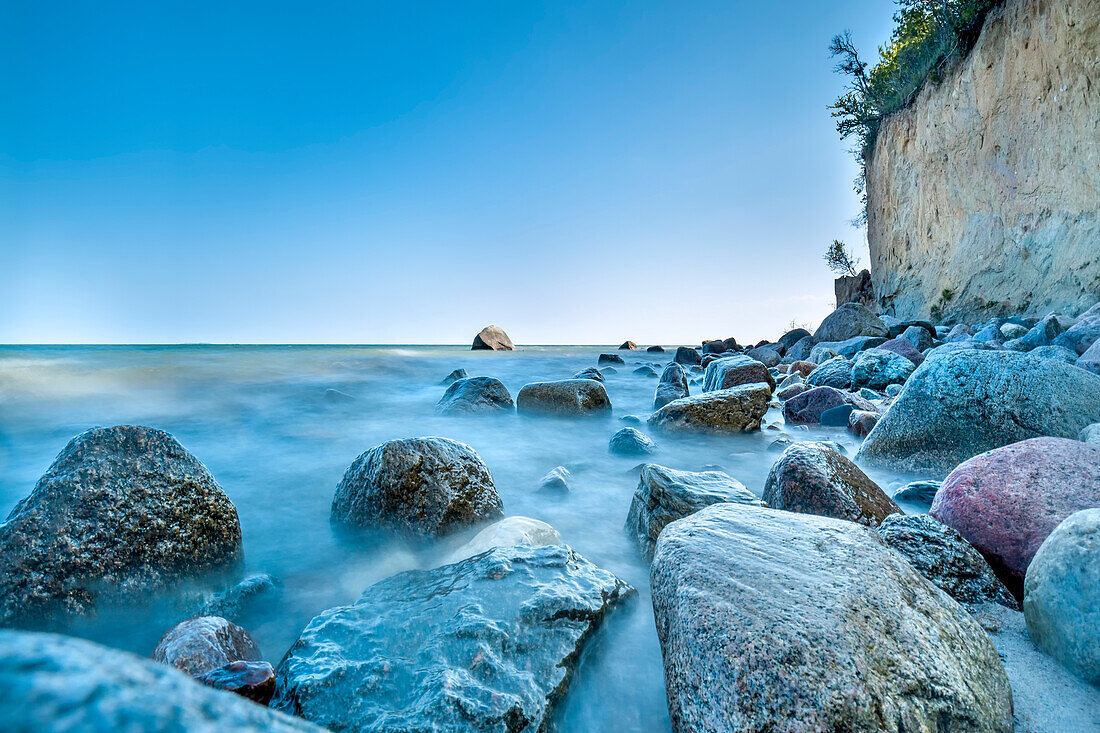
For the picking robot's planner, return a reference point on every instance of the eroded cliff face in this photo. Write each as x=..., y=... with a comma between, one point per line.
x=984, y=193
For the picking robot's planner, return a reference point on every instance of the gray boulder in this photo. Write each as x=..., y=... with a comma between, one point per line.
x=835, y=372
x=959, y=332
x=1090, y=360
x=918, y=492
x=631, y=442
x=424, y=486
x=965, y=402
x=201, y=644
x=725, y=411
x=687, y=355
x=790, y=338
x=1013, y=330
x=1053, y=352
x=664, y=495
x=774, y=621
x=801, y=349
x=1084, y=332
x=492, y=338
x=590, y=373
x=876, y=368
x=1090, y=434
x=1044, y=332
x=821, y=353
x=850, y=319
x=731, y=371
x=567, y=397
x=488, y=644
x=766, y=355
x=475, y=396
x=556, y=480
x=610, y=359
x=121, y=513
x=918, y=336
x=673, y=385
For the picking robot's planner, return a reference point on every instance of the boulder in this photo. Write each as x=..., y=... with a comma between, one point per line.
x=1005, y=502
x=811, y=478
x=821, y=353
x=1090, y=434
x=475, y=396
x=1084, y=332
x=673, y=385
x=201, y=644
x=1062, y=594
x=628, y=346
x=59, y=683
x=791, y=390
x=835, y=372
x=940, y=554
x=631, y=442
x=645, y=370
x=730, y=344
x=961, y=403
x=731, y=371
x=687, y=355
x=253, y=680
x=423, y=486
x=836, y=417
x=903, y=347
x=854, y=289
x=508, y=532
x=567, y=397
x=556, y=480
x=717, y=346
x=959, y=332
x=792, y=337
x=656, y=349
x=122, y=513
x=244, y=598
x=918, y=492
x=590, y=373
x=806, y=407
x=850, y=347
x=848, y=320
x=1090, y=360
x=803, y=367
x=773, y=621
x=610, y=359
x=876, y=368
x=488, y=643
x=665, y=495
x=454, y=376
x=1053, y=352
x=492, y=338
x=918, y=337
x=1044, y=332
x=1013, y=331
x=767, y=355
x=725, y=411
x=862, y=422
x=801, y=348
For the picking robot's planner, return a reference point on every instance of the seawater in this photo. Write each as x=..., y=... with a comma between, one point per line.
x=258, y=417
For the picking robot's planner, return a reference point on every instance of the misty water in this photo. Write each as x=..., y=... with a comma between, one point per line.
x=259, y=419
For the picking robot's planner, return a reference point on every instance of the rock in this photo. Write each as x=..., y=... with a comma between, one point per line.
x=610, y=359
x=852, y=346
x=836, y=417
x=893, y=390
x=822, y=353
x=1083, y=333
x=903, y=347
x=791, y=391
x=253, y=680
x=1090, y=360
x=631, y=442
x=876, y=368
x=718, y=346
x=687, y=355
x=869, y=394
x=959, y=332
x=801, y=348
x=919, y=337
x=50, y=682
x=764, y=354
x=727, y=411
x=122, y=513
x=656, y=349
x=454, y=376
x=489, y=643
x=673, y=385
x=646, y=371
x=792, y=337
x=492, y=338
x=664, y=495
x=773, y=621
x=803, y=367
x=201, y=644
x=631, y=419
x=807, y=407
x=835, y=372
x=861, y=422
x=1053, y=352
x=508, y=532
x=424, y=486
x=567, y=397
x=628, y=346
x=475, y=396
x=918, y=492
x=940, y=554
x=730, y=344
x=961, y=403
x=609, y=370
x=590, y=373
x=233, y=603
x=811, y=478
x=854, y=289
x=731, y=371
x=1090, y=434
x=1013, y=331
x=556, y=480
x=848, y=320
x=1062, y=594
x=1044, y=332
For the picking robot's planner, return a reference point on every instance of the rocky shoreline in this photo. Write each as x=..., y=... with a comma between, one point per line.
x=816, y=605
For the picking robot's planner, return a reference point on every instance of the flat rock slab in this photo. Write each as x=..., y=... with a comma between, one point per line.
x=773, y=621
x=486, y=644
x=567, y=398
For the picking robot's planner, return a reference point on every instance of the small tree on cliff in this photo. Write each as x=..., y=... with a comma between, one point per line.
x=839, y=259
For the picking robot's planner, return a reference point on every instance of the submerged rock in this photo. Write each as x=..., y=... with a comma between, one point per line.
x=233, y=603
x=732, y=371
x=673, y=385
x=121, y=513
x=492, y=338
x=770, y=620
x=425, y=486
x=727, y=410
x=590, y=373
x=556, y=480
x=645, y=370
x=508, y=532
x=631, y=442
x=919, y=492
x=488, y=643
x=253, y=680
x=201, y=644
x=848, y=321
x=475, y=396
x=454, y=376
x=610, y=359
x=567, y=397
x=656, y=349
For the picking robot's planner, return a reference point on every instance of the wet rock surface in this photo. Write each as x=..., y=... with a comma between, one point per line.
x=728, y=410
x=242, y=599
x=876, y=368
x=475, y=395
x=673, y=386
x=252, y=680
x=919, y=492
x=201, y=644
x=835, y=372
x=732, y=371
x=566, y=398
x=807, y=406
x=848, y=321
x=492, y=338
x=687, y=355
x=507, y=532
x=631, y=442
x=488, y=643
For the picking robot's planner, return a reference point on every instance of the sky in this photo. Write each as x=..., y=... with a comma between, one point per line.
x=409, y=172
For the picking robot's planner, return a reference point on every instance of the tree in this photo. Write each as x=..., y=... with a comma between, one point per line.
x=839, y=259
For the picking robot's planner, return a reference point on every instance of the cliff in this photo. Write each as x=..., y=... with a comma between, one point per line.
x=984, y=192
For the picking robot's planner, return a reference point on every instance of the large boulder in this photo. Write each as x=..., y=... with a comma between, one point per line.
x=423, y=486
x=961, y=403
x=121, y=513
x=508, y=532
x=834, y=372
x=731, y=371
x=687, y=355
x=201, y=644
x=475, y=395
x=1090, y=360
x=628, y=346
x=609, y=359
x=1062, y=594
x=813, y=478
x=773, y=621
x=566, y=397
x=631, y=442
x=876, y=368
x=768, y=355
x=1005, y=502
x=1084, y=332
x=489, y=643
x=792, y=337
x=725, y=411
x=919, y=337
x=904, y=347
x=850, y=319
x=801, y=348
x=665, y=495
x=1044, y=332
x=672, y=386
x=806, y=408
x=492, y=338
x=67, y=685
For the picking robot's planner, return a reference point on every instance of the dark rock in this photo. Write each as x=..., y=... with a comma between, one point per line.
x=488, y=643
x=590, y=373
x=801, y=349
x=919, y=337
x=790, y=338
x=492, y=338
x=646, y=371
x=656, y=349
x=862, y=422
x=557, y=480
x=767, y=355
x=714, y=347
x=673, y=385
x=1044, y=332
x=727, y=411
x=475, y=396
x=918, y=492
x=903, y=347
x=836, y=417
x=687, y=355
x=568, y=397
x=807, y=407
x=802, y=367
x=628, y=346
x=848, y=320
x=835, y=372
x=1083, y=333
x=201, y=644
x=233, y=603
x=253, y=680
x=610, y=359
x=876, y=368
x=730, y=344
x=424, y=486
x=897, y=329
x=121, y=513
x=631, y=442
x=731, y=371
x=454, y=376
x=854, y=289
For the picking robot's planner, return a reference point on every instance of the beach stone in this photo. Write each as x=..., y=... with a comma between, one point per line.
x=1053, y=352
x=876, y=368
x=903, y=347
x=556, y=480
x=687, y=355
x=767, y=355
x=508, y=532
x=792, y=337
x=590, y=373
x=850, y=319
x=812, y=478
x=726, y=411
x=835, y=372
x=731, y=371
x=773, y=621
x=789, y=379
x=1090, y=360
x=1013, y=331
x=475, y=396
x=893, y=390
x=1084, y=332
x=851, y=347
x=253, y=680
x=1090, y=434
x=645, y=371
x=791, y=391
x=492, y=338
x=918, y=337
x=803, y=367
x=454, y=376
x=122, y=513
x=1044, y=332
x=959, y=332
x=836, y=417
x=807, y=407
x=656, y=349
x=964, y=402
x=610, y=359
x=822, y=353
x=801, y=349
x=940, y=554
x=567, y=397
x=1062, y=594
x=424, y=486
x=241, y=599
x=201, y=644
x=918, y=492
x=488, y=644
x=716, y=346
x=1006, y=501
x=665, y=495
x=673, y=385
x=50, y=682
x=631, y=442
x=862, y=422
x=628, y=346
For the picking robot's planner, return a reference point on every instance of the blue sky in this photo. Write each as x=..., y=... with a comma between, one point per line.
x=409, y=172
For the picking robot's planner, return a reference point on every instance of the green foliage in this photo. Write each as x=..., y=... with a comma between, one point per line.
x=839, y=259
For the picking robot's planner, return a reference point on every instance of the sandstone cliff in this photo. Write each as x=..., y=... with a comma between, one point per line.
x=984, y=193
